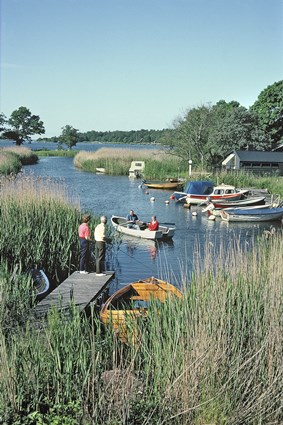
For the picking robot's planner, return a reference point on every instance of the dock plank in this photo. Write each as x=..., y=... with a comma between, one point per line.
x=79, y=289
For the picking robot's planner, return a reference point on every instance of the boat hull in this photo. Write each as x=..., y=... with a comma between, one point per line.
x=255, y=215
x=131, y=302
x=241, y=203
x=120, y=224
x=164, y=186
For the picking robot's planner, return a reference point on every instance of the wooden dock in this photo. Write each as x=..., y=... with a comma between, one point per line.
x=78, y=289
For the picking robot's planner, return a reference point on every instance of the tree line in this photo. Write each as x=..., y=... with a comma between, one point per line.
x=203, y=134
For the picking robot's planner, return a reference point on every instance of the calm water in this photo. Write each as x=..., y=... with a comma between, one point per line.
x=135, y=258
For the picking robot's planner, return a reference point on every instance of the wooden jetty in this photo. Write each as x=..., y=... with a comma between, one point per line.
x=78, y=289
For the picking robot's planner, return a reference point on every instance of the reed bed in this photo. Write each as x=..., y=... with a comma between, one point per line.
x=9, y=163
x=158, y=164
x=213, y=358
x=274, y=184
x=39, y=221
x=56, y=152
x=25, y=155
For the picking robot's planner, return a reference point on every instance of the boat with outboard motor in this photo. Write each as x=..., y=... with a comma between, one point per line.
x=122, y=225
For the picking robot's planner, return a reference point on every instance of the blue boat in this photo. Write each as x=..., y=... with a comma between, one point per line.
x=256, y=214
x=199, y=187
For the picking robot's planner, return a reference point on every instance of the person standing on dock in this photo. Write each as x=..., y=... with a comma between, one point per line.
x=84, y=235
x=100, y=245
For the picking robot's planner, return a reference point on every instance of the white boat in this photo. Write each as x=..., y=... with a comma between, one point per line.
x=255, y=214
x=211, y=210
x=197, y=195
x=121, y=225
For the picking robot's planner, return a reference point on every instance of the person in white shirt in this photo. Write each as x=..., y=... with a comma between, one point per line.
x=100, y=245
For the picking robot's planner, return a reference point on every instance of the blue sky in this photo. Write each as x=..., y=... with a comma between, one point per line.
x=109, y=65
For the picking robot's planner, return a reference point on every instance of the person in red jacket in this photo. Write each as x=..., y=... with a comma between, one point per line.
x=153, y=225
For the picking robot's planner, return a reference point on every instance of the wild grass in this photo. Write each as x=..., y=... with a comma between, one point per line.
x=25, y=155
x=158, y=165
x=56, y=152
x=274, y=184
x=9, y=163
x=213, y=358
x=39, y=221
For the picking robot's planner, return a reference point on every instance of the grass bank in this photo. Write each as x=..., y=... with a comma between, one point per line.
x=213, y=358
x=38, y=226
x=273, y=184
x=56, y=152
x=12, y=159
x=158, y=165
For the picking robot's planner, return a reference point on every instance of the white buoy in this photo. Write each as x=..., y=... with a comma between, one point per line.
x=194, y=213
x=152, y=199
x=212, y=217
x=166, y=202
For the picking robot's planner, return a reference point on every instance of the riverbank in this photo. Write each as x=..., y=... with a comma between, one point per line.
x=117, y=161
x=12, y=159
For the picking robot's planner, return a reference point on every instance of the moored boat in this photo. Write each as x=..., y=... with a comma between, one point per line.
x=169, y=184
x=200, y=186
x=197, y=193
x=132, y=301
x=254, y=215
x=40, y=282
x=260, y=200
x=121, y=225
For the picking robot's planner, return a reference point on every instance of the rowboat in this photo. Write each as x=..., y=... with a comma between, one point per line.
x=121, y=225
x=125, y=306
x=211, y=210
x=259, y=200
x=256, y=214
x=40, y=282
x=197, y=194
x=168, y=185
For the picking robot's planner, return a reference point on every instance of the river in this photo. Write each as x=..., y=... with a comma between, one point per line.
x=135, y=258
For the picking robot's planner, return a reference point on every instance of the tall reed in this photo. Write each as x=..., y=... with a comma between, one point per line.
x=214, y=357
x=25, y=155
x=9, y=163
x=39, y=221
x=158, y=164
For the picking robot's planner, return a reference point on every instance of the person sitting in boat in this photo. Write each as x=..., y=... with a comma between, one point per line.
x=133, y=220
x=153, y=225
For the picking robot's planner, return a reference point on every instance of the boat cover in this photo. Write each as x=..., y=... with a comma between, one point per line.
x=199, y=187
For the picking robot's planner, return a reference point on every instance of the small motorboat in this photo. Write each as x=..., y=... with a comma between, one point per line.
x=121, y=225
x=204, y=187
x=40, y=282
x=255, y=214
x=132, y=302
x=198, y=193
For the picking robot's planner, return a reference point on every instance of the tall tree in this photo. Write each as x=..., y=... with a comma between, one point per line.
x=23, y=125
x=69, y=136
x=207, y=133
x=269, y=109
x=3, y=121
